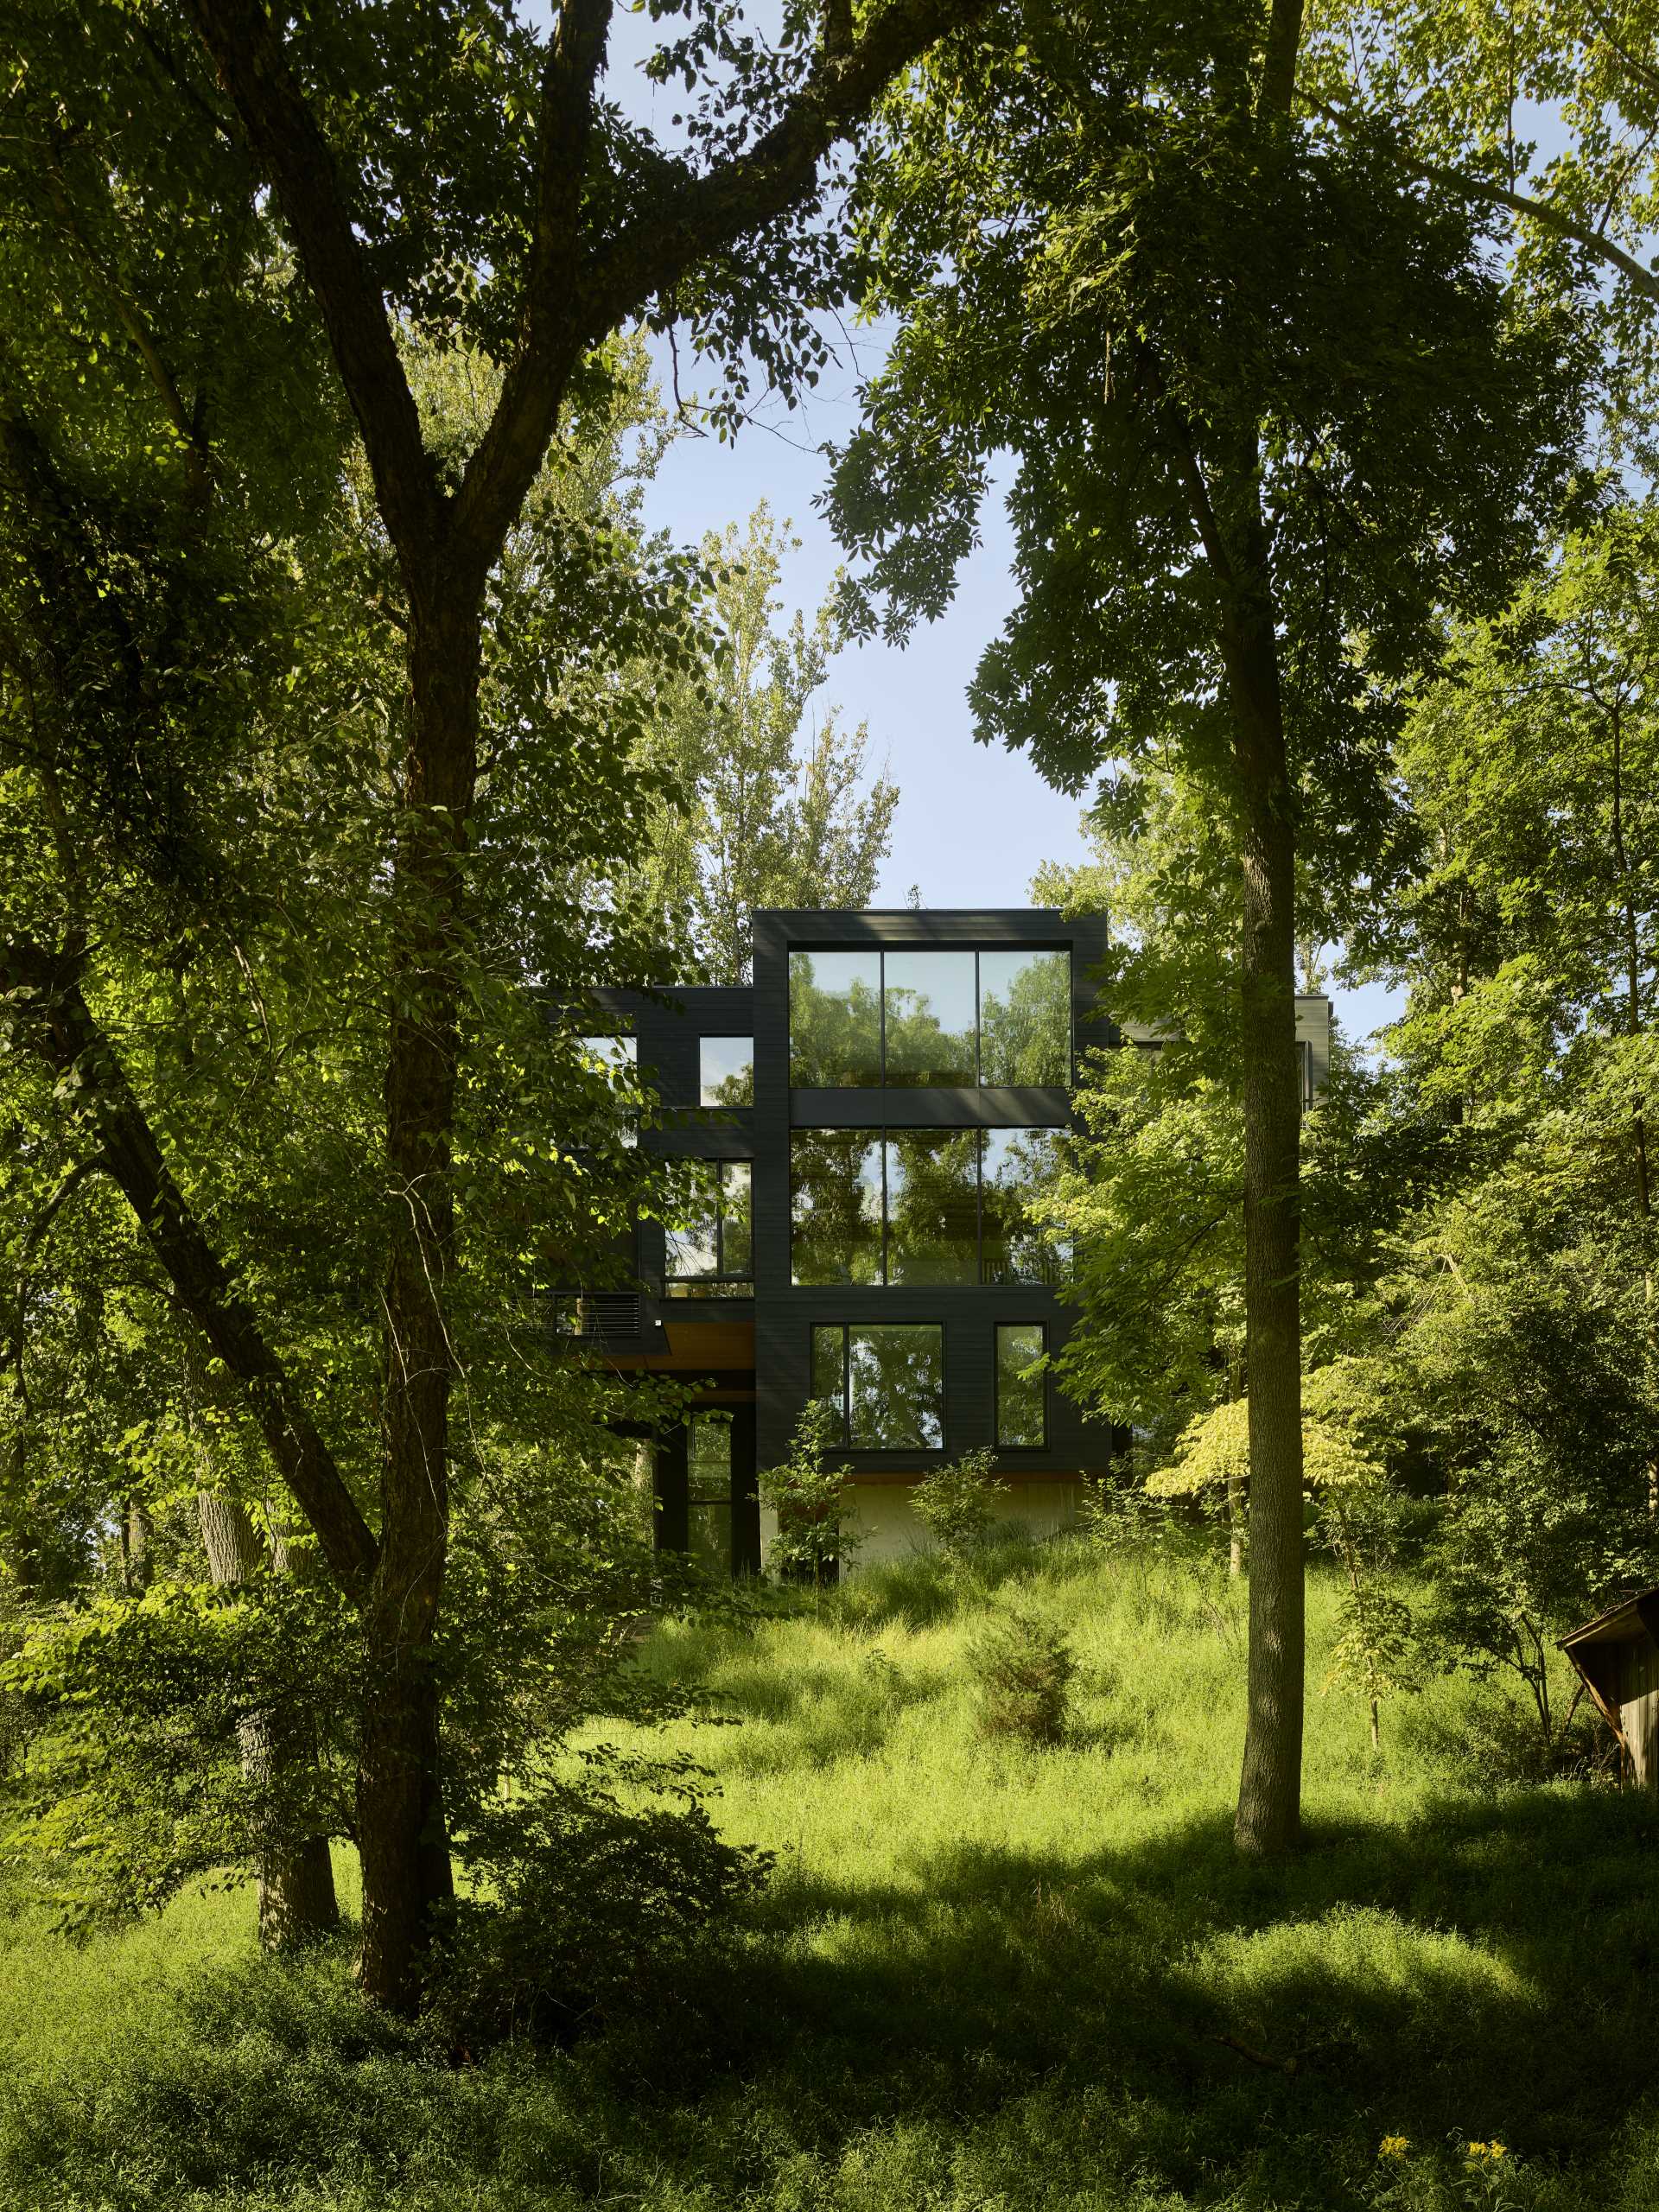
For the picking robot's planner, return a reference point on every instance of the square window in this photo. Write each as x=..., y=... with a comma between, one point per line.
x=612, y=1052
x=884, y=1383
x=725, y=1070
x=932, y=1205
x=835, y=1207
x=895, y=1389
x=835, y=1018
x=708, y=1247
x=928, y=1013
x=615, y=1054
x=1022, y=1386
x=1024, y=1018
x=1016, y=1166
x=692, y=1237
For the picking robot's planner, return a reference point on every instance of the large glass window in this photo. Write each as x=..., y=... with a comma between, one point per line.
x=886, y=1384
x=708, y=1486
x=725, y=1070
x=1020, y=1393
x=835, y=1018
x=614, y=1054
x=932, y=1205
x=1016, y=1166
x=709, y=1243
x=921, y=1206
x=1025, y=1017
x=928, y=1004
x=834, y=1206
x=934, y=1017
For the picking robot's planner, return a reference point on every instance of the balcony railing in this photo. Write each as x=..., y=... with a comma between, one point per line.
x=596, y=1317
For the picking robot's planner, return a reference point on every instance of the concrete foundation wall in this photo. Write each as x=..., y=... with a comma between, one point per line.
x=887, y=1522
x=889, y=1526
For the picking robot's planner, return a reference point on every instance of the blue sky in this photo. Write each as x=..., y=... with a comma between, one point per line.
x=974, y=821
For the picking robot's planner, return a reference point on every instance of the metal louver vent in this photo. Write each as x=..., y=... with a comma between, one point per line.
x=604, y=1316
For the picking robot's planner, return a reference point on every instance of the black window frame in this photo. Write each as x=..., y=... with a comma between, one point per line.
x=881, y=951
x=1041, y=1327
x=720, y=1284
x=844, y=1441
x=722, y=1500
x=725, y=1037
x=880, y=1137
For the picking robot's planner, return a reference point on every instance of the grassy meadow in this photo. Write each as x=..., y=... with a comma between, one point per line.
x=983, y=1978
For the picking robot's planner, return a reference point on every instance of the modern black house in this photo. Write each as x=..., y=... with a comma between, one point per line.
x=869, y=1118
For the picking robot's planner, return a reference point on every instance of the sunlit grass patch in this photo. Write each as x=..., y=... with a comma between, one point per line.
x=985, y=1974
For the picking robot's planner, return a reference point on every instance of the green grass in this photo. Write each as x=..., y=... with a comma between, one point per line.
x=982, y=1978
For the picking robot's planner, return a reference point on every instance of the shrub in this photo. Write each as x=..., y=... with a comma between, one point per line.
x=598, y=1908
x=815, y=1535
x=954, y=1504
x=1023, y=1667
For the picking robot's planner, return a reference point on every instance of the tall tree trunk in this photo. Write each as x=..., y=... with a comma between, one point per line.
x=1633, y=1024
x=137, y=1536
x=1632, y=958
x=1226, y=505
x=1236, y=541
x=1237, y=1498
x=1269, y=1795
x=401, y=1834
x=296, y=1880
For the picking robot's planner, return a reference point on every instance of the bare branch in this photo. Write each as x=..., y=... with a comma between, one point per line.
x=577, y=300
x=697, y=216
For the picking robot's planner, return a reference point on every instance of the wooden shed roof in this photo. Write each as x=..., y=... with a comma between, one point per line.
x=1622, y=1623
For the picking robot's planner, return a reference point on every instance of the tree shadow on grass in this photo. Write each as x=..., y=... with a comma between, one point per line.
x=1485, y=1969
x=1161, y=2024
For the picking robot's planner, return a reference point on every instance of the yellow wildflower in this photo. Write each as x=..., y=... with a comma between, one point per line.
x=1394, y=2146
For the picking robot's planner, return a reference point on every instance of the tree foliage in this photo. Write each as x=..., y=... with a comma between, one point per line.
x=766, y=804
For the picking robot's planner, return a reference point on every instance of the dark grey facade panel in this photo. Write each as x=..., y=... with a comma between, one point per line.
x=784, y=1315
x=968, y=1317
x=969, y=1313
x=986, y=1106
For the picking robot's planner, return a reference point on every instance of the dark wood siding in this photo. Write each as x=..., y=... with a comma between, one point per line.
x=667, y=1032
x=969, y=1313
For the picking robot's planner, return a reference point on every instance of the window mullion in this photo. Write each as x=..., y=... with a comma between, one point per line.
x=978, y=1206
x=885, y=1283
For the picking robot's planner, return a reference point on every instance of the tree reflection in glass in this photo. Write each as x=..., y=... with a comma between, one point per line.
x=928, y=997
x=691, y=1236
x=736, y=1239
x=1016, y=1166
x=709, y=1485
x=1025, y=1017
x=725, y=1070
x=1019, y=1388
x=835, y=1018
x=708, y=1241
x=835, y=1207
x=895, y=1380
x=932, y=1205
